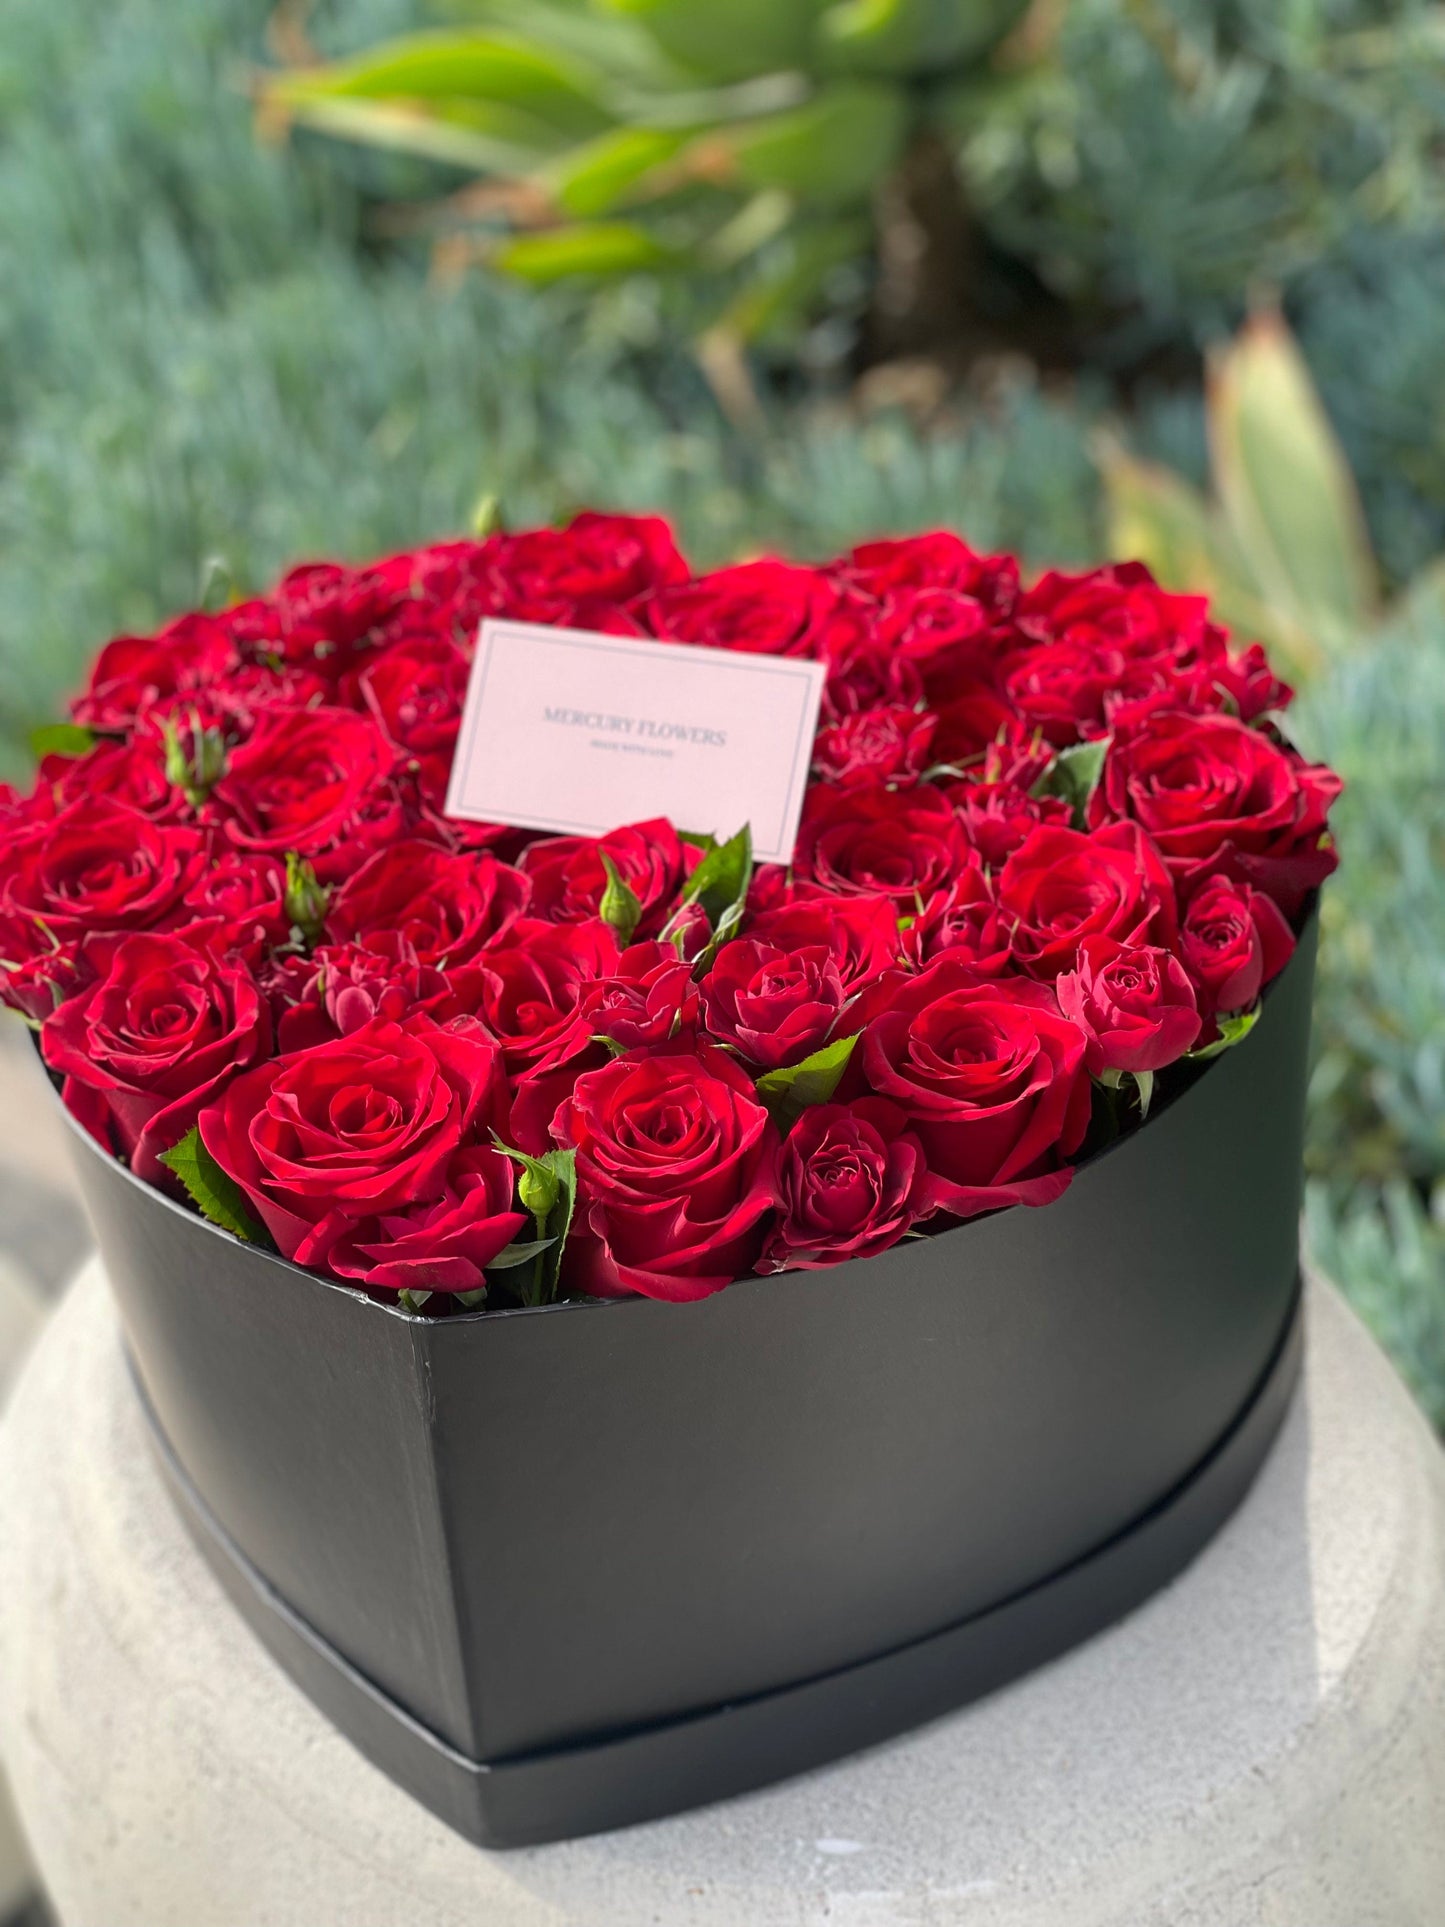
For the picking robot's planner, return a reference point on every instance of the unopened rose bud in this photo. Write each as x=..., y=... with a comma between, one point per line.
x=537, y=1189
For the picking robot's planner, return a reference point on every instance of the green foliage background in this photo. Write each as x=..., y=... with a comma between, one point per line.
x=204, y=351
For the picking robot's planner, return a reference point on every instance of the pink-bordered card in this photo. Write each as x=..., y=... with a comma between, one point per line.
x=577, y=733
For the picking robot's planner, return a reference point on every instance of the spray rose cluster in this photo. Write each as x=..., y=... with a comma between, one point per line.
x=1054, y=846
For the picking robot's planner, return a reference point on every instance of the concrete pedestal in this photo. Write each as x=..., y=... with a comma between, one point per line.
x=1263, y=1745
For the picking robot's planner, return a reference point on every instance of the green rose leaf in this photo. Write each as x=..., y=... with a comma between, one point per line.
x=306, y=898
x=1142, y=1081
x=720, y=885
x=788, y=1092
x=1232, y=1030
x=547, y=1188
x=412, y=1300
x=1074, y=776
x=61, y=739
x=215, y=1194
x=621, y=907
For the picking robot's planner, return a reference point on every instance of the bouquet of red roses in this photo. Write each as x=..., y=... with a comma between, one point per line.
x=1053, y=848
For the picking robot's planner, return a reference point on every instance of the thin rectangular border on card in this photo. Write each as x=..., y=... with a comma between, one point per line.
x=797, y=668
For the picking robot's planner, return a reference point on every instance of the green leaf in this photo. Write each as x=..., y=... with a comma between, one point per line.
x=486, y=517
x=61, y=739
x=621, y=907
x=1142, y=1081
x=519, y=1254
x=832, y=151
x=1232, y=1029
x=1074, y=775
x=594, y=248
x=720, y=884
x=218, y=584
x=1285, y=487
x=593, y=178
x=789, y=1092
x=469, y=1300
x=914, y=36
x=555, y=1176
x=215, y=1194
x=468, y=70
x=412, y=1300
x=725, y=42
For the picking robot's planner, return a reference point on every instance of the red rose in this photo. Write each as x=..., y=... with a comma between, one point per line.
x=596, y=558
x=992, y=1079
x=1217, y=796
x=236, y=905
x=963, y=922
x=861, y=931
x=98, y=866
x=1232, y=941
x=355, y=1129
x=848, y=1179
x=948, y=636
x=443, y=1243
x=304, y=782
x=1061, y=886
x=997, y=817
x=528, y=994
x=320, y=610
x=132, y=773
x=569, y=879
x=863, y=673
x=876, y=745
x=973, y=721
x=344, y=986
x=448, y=905
x=415, y=690
x=775, y=1006
x=765, y=608
x=871, y=841
x=650, y=1000
x=1133, y=1002
x=147, y=1044
x=676, y=1173
x=936, y=561
x=133, y=673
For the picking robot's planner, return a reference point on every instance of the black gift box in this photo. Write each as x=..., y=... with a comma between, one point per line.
x=563, y=1569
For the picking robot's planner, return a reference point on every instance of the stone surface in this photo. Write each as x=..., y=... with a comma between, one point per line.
x=1262, y=1745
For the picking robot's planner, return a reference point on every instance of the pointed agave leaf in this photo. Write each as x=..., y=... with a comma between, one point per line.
x=914, y=36
x=598, y=248
x=788, y=1092
x=724, y=42
x=1074, y=776
x=215, y=1194
x=599, y=175
x=831, y=151
x=1286, y=490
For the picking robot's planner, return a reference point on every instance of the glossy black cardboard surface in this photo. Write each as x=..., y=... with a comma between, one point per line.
x=544, y=1529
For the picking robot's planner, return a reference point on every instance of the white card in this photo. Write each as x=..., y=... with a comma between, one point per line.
x=576, y=733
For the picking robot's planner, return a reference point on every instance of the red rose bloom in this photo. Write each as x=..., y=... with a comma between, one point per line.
x=876, y=745
x=236, y=905
x=650, y=1000
x=415, y=691
x=596, y=558
x=963, y=922
x=861, y=931
x=448, y=905
x=992, y=1079
x=871, y=841
x=1232, y=941
x=1061, y=886
x=569, y=879
x=303, y=783
x=676, y=1174
x=766, y=608
x=145, y=1046
x=132, y=773
x=997, y=817
x=133, y=673
x=775, y=1006
x=1217, y=796
x=355, y=1129
x=939, y=560
x=1133, y=1002
x=847, y=1178
x=439, y=1244
x=97, y=866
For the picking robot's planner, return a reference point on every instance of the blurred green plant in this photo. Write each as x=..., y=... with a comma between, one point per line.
x=769, y=142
